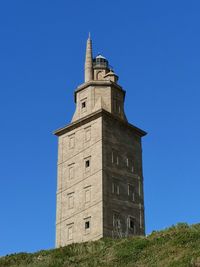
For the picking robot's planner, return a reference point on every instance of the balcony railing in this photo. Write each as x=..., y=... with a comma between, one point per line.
x=97, y=64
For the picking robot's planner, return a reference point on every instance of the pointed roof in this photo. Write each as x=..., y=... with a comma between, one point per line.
x=100, y=56
x=88, y=61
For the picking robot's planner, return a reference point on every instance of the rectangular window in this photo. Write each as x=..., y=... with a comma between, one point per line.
x=71, y=200
x=115, y=157
x=71, y=141
x=132, y=167
x=83, y=105
x=131, y=192
x=87, y=225
x=127, y=162
x=87, y=163
x=130, y=164
x=116, y=220
x=88, y=194
x=115, y=188
x=71, y=171
x=87, y=134
x=131, y=224
x=70, y=229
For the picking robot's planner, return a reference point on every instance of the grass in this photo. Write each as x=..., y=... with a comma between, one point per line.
x=177, y=246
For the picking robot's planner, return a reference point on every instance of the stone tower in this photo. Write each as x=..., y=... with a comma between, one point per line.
x=100, y=180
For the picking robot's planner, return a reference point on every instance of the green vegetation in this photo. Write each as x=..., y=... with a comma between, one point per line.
x=177, y=246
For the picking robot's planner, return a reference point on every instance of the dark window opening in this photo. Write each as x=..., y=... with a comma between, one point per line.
x=132, y=224
x=116, y=221
x=83, y=104
x=87, y=163
x=87, y=225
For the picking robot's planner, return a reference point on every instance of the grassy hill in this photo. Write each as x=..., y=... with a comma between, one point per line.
x=177, y=246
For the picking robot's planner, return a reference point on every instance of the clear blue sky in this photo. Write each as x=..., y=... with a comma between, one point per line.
x=154, y=47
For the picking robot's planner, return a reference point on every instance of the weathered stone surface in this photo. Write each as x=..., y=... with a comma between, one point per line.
x=100, y=179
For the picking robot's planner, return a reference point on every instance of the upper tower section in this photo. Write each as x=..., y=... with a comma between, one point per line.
x=102, y=70
x=100, y=89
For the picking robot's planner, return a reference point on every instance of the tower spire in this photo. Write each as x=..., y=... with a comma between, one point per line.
x=88, y=61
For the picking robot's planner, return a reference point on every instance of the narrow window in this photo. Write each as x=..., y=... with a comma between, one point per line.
x=71, y=200
x=88, y=194
x=131, y=224
x=130, y=164
x=117, y=160
x=71, y=171
x=116, y=220
x=129, y=189
x=112, y=157
x=87, y=134
x=70, y=232
x=132, y=167
x=115, y=188
x=83, y=104
x=87, y=224
x=87, y=163
x=127, y=162
x=131, y=192
x=71, y=141
x=115, y=157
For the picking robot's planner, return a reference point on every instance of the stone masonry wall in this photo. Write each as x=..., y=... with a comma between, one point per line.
x=79, y=188
x=122, y=180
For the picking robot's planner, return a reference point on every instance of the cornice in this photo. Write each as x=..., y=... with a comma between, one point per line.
x=78, y=123
x=95, y=115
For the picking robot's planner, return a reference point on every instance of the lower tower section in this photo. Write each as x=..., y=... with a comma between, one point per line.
x=79, y=187
x=123, y=199
x=100, y=181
